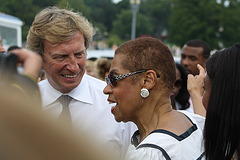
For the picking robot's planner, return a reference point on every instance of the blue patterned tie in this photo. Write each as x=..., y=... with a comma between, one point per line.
x=65, y=115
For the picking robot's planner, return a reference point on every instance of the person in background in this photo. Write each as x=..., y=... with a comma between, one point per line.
x=2, y=49
x=180, y=96
x=42, y=75
x=194, y=52
x=140, y=82
x=221, y=101
x=102, y=67
x=90, y=67
x=62, y=37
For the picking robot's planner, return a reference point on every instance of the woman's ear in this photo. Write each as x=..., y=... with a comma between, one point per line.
x=150, y=79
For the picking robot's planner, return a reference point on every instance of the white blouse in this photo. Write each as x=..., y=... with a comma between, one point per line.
x=162, y=144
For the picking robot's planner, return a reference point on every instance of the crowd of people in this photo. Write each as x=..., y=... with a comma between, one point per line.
x=140, y=105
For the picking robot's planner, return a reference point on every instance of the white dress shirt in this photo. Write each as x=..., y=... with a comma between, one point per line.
x=90, y=112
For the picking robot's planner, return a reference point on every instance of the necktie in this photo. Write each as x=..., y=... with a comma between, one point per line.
x=65, y=115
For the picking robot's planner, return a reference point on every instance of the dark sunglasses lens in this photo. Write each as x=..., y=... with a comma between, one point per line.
x=178, y=83
x=112, y=80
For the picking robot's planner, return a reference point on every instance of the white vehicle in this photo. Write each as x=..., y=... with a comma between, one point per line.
x=10, y=30
x=110, y=54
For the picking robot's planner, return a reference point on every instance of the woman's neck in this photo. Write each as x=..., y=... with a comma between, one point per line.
x=152, y=117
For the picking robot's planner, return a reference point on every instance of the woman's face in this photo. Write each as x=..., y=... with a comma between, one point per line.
x=207, y=91
x=176, y=87
x=125, y=96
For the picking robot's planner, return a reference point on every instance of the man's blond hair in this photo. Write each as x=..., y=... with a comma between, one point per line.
x=57, y=26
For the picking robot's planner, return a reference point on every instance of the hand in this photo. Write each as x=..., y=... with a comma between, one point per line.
x=195, y=84
x=31, y=61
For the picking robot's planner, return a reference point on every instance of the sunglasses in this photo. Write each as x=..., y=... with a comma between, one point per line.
x=178, y=83
x=112, y=79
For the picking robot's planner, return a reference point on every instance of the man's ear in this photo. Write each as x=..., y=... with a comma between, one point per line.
x=150, y=79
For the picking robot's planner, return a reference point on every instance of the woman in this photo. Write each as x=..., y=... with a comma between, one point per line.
x=180, y=95
x=102, y=67
x=221, y=98
x=141, y=79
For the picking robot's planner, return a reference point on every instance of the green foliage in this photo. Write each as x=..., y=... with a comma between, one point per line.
x=113, y=39
x=23, y=9
x=158, y=12
x=75, y=5
x=206, y=20
x=102, y=11
x=216, y=23
x=122, y=25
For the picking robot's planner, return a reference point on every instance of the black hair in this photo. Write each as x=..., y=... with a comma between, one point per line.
x=222, y=126
x=202, y=44
x=183, y=95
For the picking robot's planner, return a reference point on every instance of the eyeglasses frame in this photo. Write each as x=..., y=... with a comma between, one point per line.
x=122, y=76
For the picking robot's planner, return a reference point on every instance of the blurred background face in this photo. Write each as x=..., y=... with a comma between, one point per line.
x=65, y=64
x=177, y=84
x=2, y=50
x=190, y=57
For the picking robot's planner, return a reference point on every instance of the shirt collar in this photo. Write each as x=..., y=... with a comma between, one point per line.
x=135, y=138
x=80, y=93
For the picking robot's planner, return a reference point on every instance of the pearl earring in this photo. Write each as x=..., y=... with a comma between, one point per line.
x=144, y=93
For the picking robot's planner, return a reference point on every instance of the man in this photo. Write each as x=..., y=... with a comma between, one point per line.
x=194, y=52
x=2, y=49
x=62, y=37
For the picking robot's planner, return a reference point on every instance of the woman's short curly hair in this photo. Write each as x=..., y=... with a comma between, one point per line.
x=149, y=53
x=57, y=26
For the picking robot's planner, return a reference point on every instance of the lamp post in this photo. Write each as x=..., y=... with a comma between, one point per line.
x=135, y=7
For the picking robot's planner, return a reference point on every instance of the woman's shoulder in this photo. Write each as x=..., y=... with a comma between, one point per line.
x=195, y=118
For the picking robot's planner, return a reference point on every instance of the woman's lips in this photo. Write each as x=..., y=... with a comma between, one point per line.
x=113, y=104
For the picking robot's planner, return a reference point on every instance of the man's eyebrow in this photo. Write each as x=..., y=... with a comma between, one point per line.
x=58, y=53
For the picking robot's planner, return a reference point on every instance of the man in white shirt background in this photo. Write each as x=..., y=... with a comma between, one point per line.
x=62, y=37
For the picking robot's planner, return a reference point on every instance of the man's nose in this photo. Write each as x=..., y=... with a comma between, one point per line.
x=72, y=63
x=185, y=62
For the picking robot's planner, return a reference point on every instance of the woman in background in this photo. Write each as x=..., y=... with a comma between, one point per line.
x=221, y=98
x=180, y=95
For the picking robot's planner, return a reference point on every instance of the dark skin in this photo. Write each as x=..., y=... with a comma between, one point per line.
x=190, y=57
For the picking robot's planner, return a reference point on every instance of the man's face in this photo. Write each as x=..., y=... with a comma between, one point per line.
x=65, y=63
x=2, y=49
x=190, y=57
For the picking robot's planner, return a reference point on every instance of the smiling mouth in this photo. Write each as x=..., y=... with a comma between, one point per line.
x=113, y=104
x=69, y=76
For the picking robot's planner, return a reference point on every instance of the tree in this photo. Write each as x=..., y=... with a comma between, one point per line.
x=230, y=23
x=75, y=5
x=194, y=19
x=123, y=23
x=103, y=12
x=23, y=9
x=158, y=12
